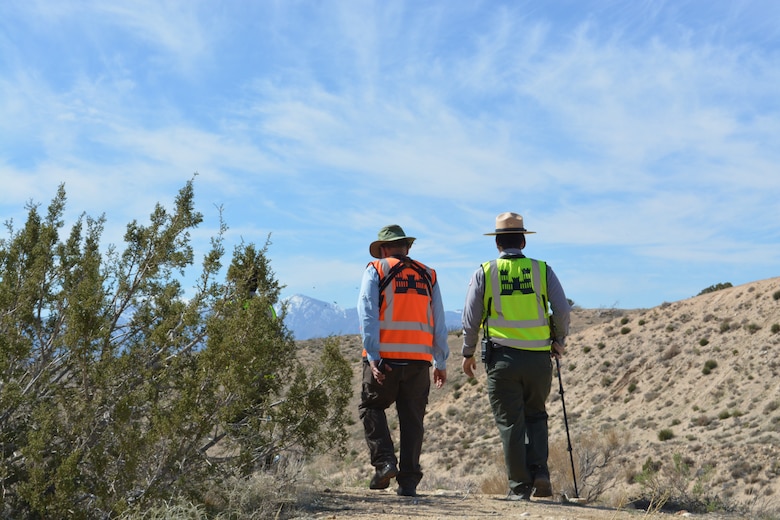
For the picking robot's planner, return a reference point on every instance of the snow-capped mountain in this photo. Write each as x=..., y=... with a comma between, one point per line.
x=309, y=318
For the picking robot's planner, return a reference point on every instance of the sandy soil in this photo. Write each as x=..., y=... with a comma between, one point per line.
x=364, y=504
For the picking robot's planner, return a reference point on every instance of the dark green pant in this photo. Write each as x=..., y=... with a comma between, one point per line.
x=519, y=383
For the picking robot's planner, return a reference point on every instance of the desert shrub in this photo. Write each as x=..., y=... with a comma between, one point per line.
x=631, y=387
x=709, y=366
x=115, y=389
x=704, y=342
x=624, y=320
x=665, y=434
x=600, y=345
x=724, y=415
x=595, y=459
x=671, y=352
x=716, y=287
x=775, y=328
x=776, y=295
x=752, y=328
x=625, y=330
x=771, y=406
x=677, y=485
x=725, y=326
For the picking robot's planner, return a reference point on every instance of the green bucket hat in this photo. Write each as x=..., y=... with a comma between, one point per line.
x=391, y=233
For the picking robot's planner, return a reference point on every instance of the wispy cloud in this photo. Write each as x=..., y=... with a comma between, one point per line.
x=636, y=136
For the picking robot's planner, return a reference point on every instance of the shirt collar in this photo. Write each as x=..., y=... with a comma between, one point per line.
x=512, y=252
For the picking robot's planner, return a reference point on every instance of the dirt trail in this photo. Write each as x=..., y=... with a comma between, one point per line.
x=364, y=504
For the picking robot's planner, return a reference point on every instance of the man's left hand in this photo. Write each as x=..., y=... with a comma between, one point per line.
x=557, y=350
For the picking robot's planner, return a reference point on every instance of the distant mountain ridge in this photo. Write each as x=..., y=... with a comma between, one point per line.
x=310, y=318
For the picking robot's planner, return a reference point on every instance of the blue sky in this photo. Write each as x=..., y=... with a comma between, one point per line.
x=639, y=139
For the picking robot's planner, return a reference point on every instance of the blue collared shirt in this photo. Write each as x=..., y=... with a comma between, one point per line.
x=368, y=315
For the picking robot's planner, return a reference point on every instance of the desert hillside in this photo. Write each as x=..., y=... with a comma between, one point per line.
x=686, y=392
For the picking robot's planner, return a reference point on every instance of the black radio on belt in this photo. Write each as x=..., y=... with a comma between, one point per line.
x=487, y=351
x=487, y=345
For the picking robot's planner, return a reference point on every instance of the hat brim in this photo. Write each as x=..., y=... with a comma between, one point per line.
x=375, y=246
x=510, y=232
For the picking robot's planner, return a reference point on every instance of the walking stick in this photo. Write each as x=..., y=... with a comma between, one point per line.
x=566, y=423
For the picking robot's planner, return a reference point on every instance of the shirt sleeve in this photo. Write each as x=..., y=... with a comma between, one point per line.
x=441, y=350
x=368, y=312
x=472, y=312
x=561, y=310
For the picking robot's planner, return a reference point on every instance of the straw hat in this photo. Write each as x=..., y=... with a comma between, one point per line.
x=391, y=233
x=509, y=223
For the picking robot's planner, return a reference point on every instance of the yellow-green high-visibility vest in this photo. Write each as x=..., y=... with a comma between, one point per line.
x=516, y=300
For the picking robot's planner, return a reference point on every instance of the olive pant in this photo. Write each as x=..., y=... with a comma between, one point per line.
x=519, y=383
x=408, y=387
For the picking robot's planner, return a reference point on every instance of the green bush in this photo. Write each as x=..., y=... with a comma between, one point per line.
x=115, y=389
x=716, y=287
x=709, y=366
x=665, y=435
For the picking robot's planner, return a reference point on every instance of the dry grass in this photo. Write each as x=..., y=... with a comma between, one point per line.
x=495, y=481
x=279, y=494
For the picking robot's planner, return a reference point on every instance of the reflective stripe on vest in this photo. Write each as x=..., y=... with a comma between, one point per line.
x=516, y=296
x=405, y=315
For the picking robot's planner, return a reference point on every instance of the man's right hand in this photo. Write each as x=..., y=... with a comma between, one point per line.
x=469, y=365
x=379, y=375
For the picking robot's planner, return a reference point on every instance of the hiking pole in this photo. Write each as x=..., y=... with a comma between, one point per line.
x=566, y=423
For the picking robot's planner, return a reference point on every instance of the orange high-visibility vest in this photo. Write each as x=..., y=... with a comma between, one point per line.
x=405, y=312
